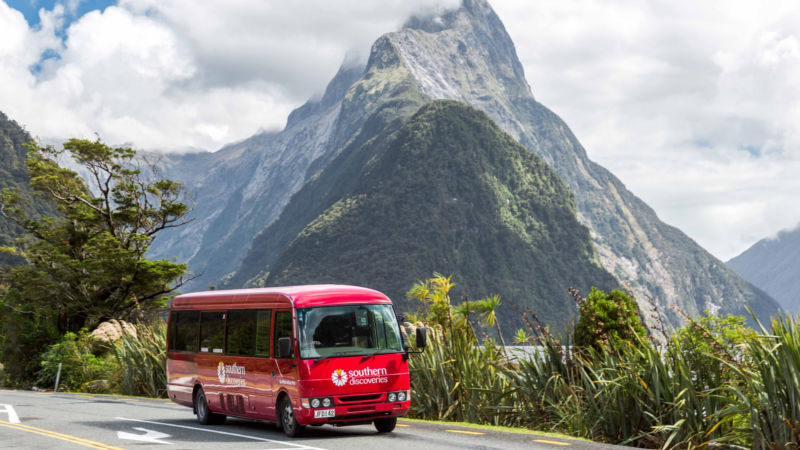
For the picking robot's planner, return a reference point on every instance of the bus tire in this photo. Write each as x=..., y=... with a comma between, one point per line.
x=204, y=414
x=288, y=420
x=385, y=425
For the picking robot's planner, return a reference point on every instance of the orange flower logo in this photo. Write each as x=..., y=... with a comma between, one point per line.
x=221, y=372
x=339, y=377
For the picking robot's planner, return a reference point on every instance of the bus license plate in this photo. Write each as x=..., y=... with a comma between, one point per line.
x=320, y=413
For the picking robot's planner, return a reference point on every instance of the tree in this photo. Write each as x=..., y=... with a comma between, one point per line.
x=488, y=307
x=88, y=263
x=433, y=293
x=607, y=317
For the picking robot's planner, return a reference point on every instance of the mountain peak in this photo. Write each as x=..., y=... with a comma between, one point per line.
x=468, y=11
x=462, y=54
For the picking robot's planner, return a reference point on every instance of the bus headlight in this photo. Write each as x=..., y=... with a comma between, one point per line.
x=398, y=396
x=310, y=403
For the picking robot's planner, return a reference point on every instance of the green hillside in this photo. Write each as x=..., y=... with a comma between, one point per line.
x=447, y=192
x=13, y=174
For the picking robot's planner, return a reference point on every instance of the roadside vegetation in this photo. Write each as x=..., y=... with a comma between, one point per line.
x=81, y=263
x=713, y=383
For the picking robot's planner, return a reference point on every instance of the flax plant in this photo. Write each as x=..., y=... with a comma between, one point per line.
x=456, y=380
x=142, y=360
x=773, y=394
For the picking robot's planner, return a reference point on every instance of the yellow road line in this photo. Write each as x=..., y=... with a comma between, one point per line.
x=130, y=399
x=61, y=436
x=85, y=396
x=7, y=390
x=477, y=433
x=545, y=441
x=402, y=425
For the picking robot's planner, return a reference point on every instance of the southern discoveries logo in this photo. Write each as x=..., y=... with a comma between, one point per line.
x=360, y=376
x=231, y=374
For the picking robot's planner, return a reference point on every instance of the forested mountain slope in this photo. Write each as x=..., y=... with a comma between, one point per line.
x=447, y=191
x=13, y=174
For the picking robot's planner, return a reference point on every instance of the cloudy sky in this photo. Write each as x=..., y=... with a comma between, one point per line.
x=693, y=105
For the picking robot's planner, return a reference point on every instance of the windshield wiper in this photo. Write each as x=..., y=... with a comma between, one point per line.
x=333, y=355
x=381, y=352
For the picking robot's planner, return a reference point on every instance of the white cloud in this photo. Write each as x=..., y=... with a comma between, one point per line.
x=693, y=105
x=182, y=74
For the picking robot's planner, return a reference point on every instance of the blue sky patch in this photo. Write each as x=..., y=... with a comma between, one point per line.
x=30, y=8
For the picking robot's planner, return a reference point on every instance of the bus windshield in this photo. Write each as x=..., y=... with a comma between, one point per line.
x=351, y=330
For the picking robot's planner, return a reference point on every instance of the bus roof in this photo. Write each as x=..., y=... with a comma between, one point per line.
x=298, y=296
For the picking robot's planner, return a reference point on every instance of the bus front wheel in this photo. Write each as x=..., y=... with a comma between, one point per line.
x=204, y=415
x=288, y=420
x=385, y=425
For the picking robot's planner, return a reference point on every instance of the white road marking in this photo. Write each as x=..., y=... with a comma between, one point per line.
x=148, y=436
x=254, y=438
x=12, y=415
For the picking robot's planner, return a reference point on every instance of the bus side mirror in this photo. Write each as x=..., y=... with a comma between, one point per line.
x=422, y=337
x=284, y=347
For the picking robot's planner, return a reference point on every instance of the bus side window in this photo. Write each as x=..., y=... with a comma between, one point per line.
x=185, y=332
x=172, y=325
x=212, y=331
x=283, y=328
x=241, y=329
x=263, y=322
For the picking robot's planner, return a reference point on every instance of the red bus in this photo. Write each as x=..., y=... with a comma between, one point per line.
x=296, y=356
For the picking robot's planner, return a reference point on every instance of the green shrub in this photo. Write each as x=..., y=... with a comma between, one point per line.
x=84, y=361
x=26, y=333
x=607, y=317
x=712, y=346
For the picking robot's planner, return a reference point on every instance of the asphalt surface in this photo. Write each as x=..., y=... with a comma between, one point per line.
x=39, y=420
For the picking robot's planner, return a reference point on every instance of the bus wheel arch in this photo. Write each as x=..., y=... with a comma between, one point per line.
x=201, y=408
x=286, y=416
x=278, y=402
x=194, y=397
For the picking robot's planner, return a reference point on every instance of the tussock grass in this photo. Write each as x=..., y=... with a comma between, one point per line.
x=142, y=360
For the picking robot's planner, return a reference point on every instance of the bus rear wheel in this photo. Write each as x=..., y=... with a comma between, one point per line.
x=204, y=415
x=385, y=425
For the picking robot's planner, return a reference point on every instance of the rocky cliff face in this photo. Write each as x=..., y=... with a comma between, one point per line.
x=773, y=264
x=463, y=55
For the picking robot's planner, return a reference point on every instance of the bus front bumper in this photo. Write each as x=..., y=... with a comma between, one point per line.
x=352, y=414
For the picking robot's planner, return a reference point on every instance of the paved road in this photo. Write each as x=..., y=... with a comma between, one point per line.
x=47, y=420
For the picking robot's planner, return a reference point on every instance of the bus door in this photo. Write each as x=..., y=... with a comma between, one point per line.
x=285, y=376
x=247, y=355
x=211, y=355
